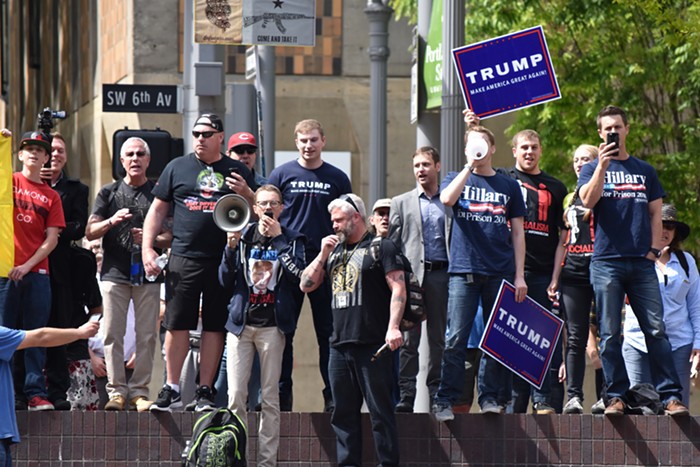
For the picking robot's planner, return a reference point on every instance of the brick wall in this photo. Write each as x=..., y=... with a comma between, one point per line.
x=143, y=439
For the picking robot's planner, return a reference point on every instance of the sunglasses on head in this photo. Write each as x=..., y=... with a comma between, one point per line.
x=244, y=149
x=204, y=134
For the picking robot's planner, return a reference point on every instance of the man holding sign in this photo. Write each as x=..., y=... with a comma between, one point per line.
x=484, y=251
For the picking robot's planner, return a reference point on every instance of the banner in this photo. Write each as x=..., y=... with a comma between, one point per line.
x=507, y=73
x=253, y=22
x=7, y=248
x=522, y=336
x=432, y=59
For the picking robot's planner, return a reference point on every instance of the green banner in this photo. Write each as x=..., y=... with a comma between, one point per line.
x=432, y=60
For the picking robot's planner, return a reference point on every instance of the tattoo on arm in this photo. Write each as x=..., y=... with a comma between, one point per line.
x=398, y=299
x=307, y=282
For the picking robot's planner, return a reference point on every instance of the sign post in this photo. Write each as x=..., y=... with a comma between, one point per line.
x=506, y=73
x=143, y=98
x=521, y=336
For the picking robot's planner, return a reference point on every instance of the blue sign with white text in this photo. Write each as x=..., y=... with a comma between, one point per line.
x=506, y=73
x=521, y=336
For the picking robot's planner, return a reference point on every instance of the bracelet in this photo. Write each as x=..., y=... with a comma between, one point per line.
x=469, y=168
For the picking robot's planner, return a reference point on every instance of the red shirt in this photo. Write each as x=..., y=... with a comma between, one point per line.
x=37, y=207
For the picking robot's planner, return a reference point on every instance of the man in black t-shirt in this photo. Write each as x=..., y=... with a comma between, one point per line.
x=191, y=185
x=367, y=305
x=117, y=218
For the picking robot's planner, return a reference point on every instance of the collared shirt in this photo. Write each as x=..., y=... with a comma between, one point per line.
x=680, y=293
x=432, y=213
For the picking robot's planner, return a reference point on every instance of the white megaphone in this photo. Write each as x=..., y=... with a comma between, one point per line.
x=231, y=213
x=477, y=148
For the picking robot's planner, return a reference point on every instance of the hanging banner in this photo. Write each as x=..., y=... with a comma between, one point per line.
x=432, y=59
x=7, y=252
x=507, y=73
x=522, y=336
x=253, y=22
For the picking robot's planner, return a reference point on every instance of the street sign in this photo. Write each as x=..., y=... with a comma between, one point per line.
x=141, y=98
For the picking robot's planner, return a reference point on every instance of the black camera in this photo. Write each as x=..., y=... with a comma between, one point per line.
x=45, y=124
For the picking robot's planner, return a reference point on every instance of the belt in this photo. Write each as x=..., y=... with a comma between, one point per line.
x=435, y=265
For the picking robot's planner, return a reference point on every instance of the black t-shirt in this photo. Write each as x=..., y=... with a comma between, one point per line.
x=117, y=242
x=544, y=199
x=194, y=187
x=262, y=275
x=579, y=244
x=361, y=295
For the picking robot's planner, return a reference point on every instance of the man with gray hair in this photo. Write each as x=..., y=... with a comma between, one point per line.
x=368, y=299
x=117, y=218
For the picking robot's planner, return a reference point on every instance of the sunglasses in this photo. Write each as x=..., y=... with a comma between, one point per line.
x=203, y=134
x=246, y=149
x=135, y=153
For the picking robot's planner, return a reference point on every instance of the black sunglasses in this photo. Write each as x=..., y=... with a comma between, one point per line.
x=135, y=153
x=203, y=134
x=244, y=149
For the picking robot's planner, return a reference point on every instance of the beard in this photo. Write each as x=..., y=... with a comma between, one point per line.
x=343, y=234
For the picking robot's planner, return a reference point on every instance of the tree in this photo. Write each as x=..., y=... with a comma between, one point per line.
x=642, y=55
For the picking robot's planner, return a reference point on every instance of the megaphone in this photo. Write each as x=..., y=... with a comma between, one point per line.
x=477, y=148
x=231, y=213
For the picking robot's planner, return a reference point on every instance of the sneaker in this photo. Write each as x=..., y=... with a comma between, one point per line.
x=676, y=408
x=61, y=404
x=542, y=408
x=37, y=403
x=598, y=408
x=168, y=399
x=404, y=407
x=203, y=400
x=573, y=406
x=615, y=407
x=140, y=404
x=117, y=402
x=491, y=406
x=442, y=412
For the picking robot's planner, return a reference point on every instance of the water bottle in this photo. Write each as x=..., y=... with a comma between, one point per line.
x=161, y=261
x=136, y=271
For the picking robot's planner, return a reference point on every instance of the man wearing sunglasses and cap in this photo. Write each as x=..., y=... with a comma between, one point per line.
x=25, y=294
x=243, y=147
x=191, y=185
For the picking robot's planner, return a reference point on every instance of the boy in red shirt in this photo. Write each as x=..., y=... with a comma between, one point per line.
x=25, y=295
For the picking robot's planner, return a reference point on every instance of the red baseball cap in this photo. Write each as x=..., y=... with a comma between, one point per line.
x=242, y=138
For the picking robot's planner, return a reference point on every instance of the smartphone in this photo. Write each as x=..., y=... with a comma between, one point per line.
x=268, y=213
x=95, y=317
x=613, y=138
x=235, y=171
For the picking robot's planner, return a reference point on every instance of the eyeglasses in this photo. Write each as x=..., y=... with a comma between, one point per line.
x=246, y=149
x=381, y=213
x=264, y=204
x=203, y=134
x=135, y=153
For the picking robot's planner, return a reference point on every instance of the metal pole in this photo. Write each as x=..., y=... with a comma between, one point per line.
x=266, y=93
x=428, y=129
x=378, y=15
x=451, y=120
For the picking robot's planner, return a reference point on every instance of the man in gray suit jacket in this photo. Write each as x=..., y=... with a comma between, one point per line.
x=420, y=227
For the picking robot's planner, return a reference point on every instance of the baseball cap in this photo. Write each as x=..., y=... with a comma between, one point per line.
x=242, y=138
x=36, y=138
x=211, y=120
x=381, y=203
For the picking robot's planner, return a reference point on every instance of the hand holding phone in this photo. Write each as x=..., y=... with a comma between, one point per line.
x=613, y=137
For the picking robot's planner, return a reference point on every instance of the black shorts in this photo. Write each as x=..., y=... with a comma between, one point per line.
x=185, y=281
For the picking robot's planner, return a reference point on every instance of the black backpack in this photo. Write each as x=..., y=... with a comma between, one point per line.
x=414, y=312
x=218, y=439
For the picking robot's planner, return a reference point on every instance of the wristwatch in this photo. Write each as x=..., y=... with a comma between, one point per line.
x=656, y=252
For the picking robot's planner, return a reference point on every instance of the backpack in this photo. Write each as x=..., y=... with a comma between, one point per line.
x=414, y=311
x=218, y=439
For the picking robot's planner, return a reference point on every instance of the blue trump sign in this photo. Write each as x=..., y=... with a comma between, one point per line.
x=506, y=73
x=522, y=336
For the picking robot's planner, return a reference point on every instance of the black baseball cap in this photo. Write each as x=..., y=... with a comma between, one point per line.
x=211, y=120
x=36, y=138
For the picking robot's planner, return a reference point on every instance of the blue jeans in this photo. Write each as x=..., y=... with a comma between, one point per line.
x=465, y=291
x=637, y=364
x=355, y=377
x=636, y=277
x=323, y=325
x=26, y=305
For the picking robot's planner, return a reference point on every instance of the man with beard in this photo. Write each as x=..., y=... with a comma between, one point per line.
x=367, y=303
x=191, y=185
